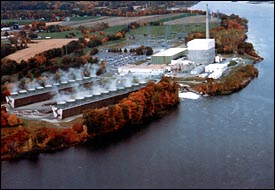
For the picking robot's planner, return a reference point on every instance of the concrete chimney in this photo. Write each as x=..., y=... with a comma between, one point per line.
x=207, y=23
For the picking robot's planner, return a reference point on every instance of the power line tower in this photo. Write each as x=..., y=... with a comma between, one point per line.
x=167, y=34
x=148, y=27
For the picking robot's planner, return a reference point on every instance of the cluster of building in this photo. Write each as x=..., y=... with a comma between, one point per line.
x=197, y=59
x=73, y=103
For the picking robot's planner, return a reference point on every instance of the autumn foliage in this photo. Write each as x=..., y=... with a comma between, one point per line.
x=229, y=37
x=239, y=79
x=17, y=141
x=137, y=106
x=9, y=120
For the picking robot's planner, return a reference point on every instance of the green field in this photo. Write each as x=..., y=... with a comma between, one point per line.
x=175, y=17
x=20, y=22
x=77, y=33
x=114, y=29
x=160, y=31
x=110, y=30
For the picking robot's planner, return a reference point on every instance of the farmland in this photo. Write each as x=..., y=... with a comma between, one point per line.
x=35, y=48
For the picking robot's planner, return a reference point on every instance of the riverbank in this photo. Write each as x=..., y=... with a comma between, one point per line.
x=239, y=78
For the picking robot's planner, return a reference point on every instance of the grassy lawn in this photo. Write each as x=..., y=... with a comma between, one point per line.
x=231, y=73
x=157, y=31
x=175, y=17
x=110, y=30
x=114, y=29
x=60, y=34
x=116, y=44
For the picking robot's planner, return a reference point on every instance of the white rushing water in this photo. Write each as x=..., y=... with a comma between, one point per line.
x=189, y=95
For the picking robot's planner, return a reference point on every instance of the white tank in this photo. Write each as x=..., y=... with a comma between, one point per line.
x=79, y=99
x=31, y=90
x=61, y=104
x=57, y=84
x=104, y=92
x=40, y=88
x=48, y=86
x=86, y=78
x=70, y=102
x=22, y=91
x=96, y=94
x=88, y=97
x=14, y=94
x=71, y=81
x=112, y=90
x=120, y=88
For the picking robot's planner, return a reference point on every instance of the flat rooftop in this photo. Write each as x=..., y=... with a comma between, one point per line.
x=151, y=66
x=201, y=44
x=170, y=52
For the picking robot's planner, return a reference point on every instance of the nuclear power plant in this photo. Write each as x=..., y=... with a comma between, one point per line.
x=199, y=51
x=69, y=96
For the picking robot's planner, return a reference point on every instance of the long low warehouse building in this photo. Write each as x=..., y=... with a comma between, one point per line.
x=152, y=69
x=38, y=94
x=165, y=57
x=91, y=101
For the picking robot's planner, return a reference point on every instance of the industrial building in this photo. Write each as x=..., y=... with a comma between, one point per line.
x=38, y=94
x=165, y=57
x=76, y=106
x=76, y=103
x=201, y=51
x=152, y=69
x=216, y=69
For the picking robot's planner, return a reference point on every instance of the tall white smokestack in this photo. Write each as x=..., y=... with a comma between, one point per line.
x=207, y=24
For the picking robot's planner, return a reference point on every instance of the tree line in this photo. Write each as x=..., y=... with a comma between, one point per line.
x=230, y=36
x=139, y=105
x=235, y=82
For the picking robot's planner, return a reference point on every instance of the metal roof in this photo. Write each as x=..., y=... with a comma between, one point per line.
x=170, y=52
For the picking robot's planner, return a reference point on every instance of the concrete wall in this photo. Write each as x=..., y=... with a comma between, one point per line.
x=202, y=56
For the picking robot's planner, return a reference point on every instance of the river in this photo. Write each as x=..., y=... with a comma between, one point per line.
x=210, y=142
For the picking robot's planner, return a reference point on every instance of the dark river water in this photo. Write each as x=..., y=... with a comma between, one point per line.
x=211, y=142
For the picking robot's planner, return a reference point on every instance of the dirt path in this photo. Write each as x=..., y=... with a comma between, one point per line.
x=35, y=48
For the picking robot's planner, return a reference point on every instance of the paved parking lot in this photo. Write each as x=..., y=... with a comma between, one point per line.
x=114, y=60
